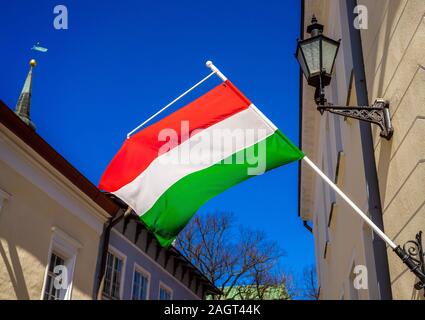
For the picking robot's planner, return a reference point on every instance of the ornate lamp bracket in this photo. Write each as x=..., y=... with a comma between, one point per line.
x=378, y=113
x=412, y=254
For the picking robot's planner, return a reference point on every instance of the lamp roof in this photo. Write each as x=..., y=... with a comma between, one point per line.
x=314, y=26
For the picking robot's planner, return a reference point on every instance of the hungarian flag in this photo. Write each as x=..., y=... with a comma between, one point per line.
x=167, y=171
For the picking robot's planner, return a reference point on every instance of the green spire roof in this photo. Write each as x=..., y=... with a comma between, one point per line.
x=22, y=108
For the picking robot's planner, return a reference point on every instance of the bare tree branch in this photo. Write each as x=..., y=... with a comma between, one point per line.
x=243, y=263
x=311, y=291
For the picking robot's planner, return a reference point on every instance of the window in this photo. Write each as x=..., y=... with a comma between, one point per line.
x=140, y=285
x=164, y=292
x=51, y=290
x=114, y=267
x=60, y=265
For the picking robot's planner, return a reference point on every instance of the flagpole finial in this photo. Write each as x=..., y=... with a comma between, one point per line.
x=33, y=63
x=210, y=65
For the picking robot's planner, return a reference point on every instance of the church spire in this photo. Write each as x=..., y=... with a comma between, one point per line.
x=22, y=108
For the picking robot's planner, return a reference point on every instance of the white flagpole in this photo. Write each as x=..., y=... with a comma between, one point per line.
x=381, y=234
x=331, y=184
x=405, y=257
x=378, y=231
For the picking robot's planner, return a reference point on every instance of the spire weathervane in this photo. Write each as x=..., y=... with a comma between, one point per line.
x=22, y=108
x=37, y=47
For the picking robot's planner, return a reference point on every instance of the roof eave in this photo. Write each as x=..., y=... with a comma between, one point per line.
x=28, y=136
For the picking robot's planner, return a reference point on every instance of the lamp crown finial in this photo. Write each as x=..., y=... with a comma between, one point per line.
x=315, y=28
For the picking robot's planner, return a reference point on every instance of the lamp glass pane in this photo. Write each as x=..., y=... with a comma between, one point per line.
x=301, y=61
x=311, y=51
x=329, y=50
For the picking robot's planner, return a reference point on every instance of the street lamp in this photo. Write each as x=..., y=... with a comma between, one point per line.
x=316, y=56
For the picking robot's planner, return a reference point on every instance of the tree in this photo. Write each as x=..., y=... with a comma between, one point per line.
x=241, y=262
x=311, y=291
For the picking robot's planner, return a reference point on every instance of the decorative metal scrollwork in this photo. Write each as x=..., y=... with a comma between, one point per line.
x=378, y=114
x=415, y=251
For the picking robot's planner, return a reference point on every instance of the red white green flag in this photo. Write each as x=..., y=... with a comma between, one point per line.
x=167, y=171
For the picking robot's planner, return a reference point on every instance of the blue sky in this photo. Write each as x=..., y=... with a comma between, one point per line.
x=120, y=61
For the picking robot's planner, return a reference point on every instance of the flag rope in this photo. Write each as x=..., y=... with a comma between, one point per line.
x=171, y=103
x=380, y=233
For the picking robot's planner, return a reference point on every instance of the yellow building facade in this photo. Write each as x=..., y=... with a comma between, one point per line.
x=392, y=38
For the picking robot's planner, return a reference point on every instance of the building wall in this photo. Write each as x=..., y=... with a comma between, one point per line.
x=157, y=273
x=395, y=70
x=36, y=205
x=393, y=48
x=334, y=145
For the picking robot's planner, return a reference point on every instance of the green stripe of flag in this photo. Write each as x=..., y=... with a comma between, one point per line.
x=176, y=206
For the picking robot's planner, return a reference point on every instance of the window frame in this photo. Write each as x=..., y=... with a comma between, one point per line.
x=67, y=248
x=118, y=254
x=146, y=274
x=162, y=285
